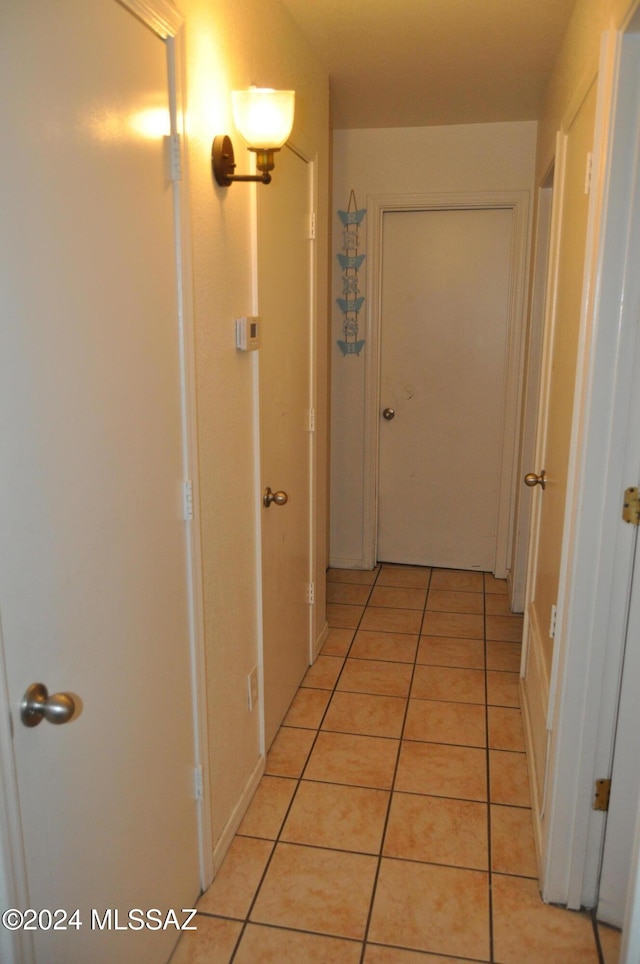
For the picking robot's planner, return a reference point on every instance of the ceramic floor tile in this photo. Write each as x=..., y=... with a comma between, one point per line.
x=610, y=941
x=376, y=954
x=497, y=604
x=435, y=721
x=442, y=771
x=398, y=647
x=325, y=891
x=504, y=656
x=455, y=602
x=460, y=625
x=212, y=943
x=503, y=689
x=307, y=708
x=509, y=778
x=337, y=817
x=448, y=683
x=324, y=672
x=236, y=882
x=526, y=931
x=513, y=850
x=425, y=907
x=348, y=592
x=337, y=642
x=366, y=714
x=456, y=580
x=403, y=577
x=493, y=585
x=376, y=676
x=437, y=830
x=507, y=628
x=397, y=598
x=275, y=945
x=505, y=728
x=341, y=616
x=449, y=651
x=363, y=576
x=289, y=751
x=268, y=808
x=360, y=761
x=381, y=619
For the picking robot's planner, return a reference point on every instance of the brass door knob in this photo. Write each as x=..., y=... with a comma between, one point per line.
x=280, y=498
x=532, y=479
x=389, y=414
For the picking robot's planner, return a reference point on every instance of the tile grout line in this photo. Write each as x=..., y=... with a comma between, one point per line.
x=295, y=792
x=299, y=780
x=488, y=765
x=392, y=787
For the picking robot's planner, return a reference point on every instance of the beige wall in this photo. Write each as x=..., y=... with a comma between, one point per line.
x=232, y=45
x=576, y=63
x=464, y=158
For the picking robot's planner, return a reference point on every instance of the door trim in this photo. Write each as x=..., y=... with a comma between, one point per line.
x=16, y=947
x=377, y=206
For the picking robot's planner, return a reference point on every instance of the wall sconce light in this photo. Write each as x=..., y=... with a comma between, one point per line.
x=264, y=117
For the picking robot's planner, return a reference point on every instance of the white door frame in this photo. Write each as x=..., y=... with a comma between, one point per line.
x=166, y=22
x=597, y=546
x=377, y=206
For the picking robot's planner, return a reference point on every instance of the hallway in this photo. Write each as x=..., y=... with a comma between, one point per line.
x=392, y=824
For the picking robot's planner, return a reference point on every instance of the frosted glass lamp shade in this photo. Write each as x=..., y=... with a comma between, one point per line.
x=263, y=116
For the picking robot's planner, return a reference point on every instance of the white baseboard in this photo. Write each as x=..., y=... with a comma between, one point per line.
x=534, y=698
x=234, y=821
x=533, y=779
x=320, y=640
x=336, y=562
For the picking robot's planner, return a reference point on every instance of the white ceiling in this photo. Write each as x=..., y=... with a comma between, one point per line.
x=413, y=63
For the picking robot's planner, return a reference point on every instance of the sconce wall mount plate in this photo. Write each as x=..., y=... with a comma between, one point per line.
x=223, y=162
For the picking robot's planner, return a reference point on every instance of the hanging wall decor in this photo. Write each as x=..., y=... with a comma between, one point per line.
x=350, y=262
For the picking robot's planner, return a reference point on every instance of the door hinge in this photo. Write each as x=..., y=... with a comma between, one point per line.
x=601, y=795
x=312, y=420
x=187, y=501
x=175, y=157
x=311, y=593
x=552, y=622
x=588, y=173
x=198, y=783
x=312, y=226
x=631, y=506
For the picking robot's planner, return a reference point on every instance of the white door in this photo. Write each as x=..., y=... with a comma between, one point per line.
x=555, y=416
x=93, y=590
x=284, y=289
x=445, y=321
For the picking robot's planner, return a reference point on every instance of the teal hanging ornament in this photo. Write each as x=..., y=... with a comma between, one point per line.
x=351, y=262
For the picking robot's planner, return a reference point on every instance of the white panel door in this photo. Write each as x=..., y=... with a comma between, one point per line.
x=284, y=286
x=93, y=589
x=445, y=318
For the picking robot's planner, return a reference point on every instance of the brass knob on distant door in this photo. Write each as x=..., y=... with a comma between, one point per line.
x=389, y=414
x=280, y=498
x=532, y=479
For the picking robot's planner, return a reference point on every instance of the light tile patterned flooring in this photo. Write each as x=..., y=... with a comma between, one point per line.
x=392, y=824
